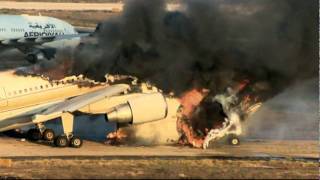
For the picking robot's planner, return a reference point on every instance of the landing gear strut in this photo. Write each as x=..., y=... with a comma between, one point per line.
x=68, y=139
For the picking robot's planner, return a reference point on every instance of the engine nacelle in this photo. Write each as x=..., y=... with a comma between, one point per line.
x=39, y=55
x=141, y=109
x=35, y=57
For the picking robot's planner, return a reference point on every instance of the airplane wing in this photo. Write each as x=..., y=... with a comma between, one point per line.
x=88, y=30
x=73, y=104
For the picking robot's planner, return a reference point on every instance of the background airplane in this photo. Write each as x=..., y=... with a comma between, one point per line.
x=38, y=37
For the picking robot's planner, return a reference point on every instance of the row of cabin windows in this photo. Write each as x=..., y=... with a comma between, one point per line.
x=41, y=87
x=12, y=30
x=17, y=30
x=22, y=30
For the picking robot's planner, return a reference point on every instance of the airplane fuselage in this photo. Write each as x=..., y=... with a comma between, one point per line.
x=21, y=27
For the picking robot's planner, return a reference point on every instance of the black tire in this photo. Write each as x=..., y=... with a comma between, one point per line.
x=234, y=140
x=34, y=134
x=76, y=142
x=48, y=135
x=61, y=141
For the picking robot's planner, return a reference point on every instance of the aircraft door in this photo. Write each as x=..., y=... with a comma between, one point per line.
x=3, y=98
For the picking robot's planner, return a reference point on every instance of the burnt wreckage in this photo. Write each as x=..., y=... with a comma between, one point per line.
x=199, y=117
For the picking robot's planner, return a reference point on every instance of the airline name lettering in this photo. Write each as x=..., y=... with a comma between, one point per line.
x=42, y=34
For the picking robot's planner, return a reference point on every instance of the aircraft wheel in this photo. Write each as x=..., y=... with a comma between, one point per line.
x=48, y=135
x=233, y=140
x=61, y=141
x=34, y=134
x=76, y=142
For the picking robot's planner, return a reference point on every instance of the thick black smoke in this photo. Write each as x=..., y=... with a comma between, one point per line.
x=208, y=43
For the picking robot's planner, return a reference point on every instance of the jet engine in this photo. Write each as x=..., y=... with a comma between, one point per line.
x=35, y=57
x=138, y=110
x=39, y=55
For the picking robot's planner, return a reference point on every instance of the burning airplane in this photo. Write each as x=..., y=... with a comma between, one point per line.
x=196, y=118
x=214, y=61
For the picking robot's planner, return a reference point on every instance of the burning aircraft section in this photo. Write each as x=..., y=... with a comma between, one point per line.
x=218, y=61
x=196, y=118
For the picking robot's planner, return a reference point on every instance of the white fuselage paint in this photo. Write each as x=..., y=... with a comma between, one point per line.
x=18, y=27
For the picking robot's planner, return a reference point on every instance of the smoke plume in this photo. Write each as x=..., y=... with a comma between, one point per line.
x=293, y=114
x=208, y=43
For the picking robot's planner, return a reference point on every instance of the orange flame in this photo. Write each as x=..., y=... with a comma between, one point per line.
x=191, y=99
x=116, y=137
x=242, y=85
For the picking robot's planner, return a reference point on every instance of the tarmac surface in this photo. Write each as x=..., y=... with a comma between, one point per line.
x=255, y=149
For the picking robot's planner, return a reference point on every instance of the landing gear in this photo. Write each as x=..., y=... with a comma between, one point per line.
x=61, y=141
x=48, y=135
x=36, y=134
x=68, y=139
x=233, y=140
x=64, y=140
x=76, y=142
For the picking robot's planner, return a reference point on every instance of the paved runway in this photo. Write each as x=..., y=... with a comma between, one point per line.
x=15, y=148
x=252, y=159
